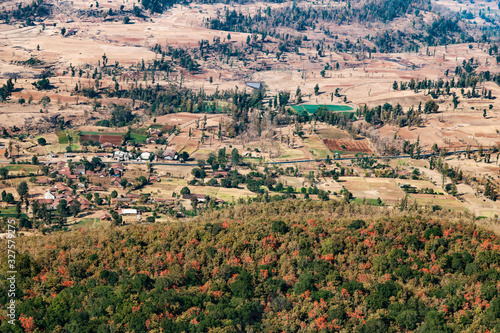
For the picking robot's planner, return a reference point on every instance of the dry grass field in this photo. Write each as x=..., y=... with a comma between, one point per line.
x=360, y=79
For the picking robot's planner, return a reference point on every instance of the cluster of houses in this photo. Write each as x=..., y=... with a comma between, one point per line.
x=56, y=192
x=53, y=196
x=119, y=155
x=59, y=191
x=154, y=135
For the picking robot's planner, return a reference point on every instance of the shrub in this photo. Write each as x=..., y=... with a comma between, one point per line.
x=280, y=227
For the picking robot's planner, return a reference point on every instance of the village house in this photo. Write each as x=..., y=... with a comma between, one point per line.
x=154, y=132
x=107, y=145
x=165, y=201
x=200, y=197
x=42, y=181
x=219, y=174
x=48, y=202
x=80, y=169
x=97, y=189
x=170, y=155
x=84, y=203
x=49, y=195
x=145, y=156
x=121, y=200
x=128, y=211
x=115, y=181
x=118, y=169
x=62, y=187
x=119, y=155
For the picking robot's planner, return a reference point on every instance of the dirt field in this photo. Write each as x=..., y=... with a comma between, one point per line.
x=348, y=145
x=362, y=81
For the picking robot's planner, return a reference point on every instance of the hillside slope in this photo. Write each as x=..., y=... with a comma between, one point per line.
x=292, y=266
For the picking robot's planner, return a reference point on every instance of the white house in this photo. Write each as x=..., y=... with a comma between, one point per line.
x=127, y=211
x=121, y=155
x=49, y=195
x=145, y=156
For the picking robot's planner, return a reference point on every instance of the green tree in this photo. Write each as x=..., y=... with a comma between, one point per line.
x=316, y=90
x=4, y=172
x=184, y=156
x=198, y=173
x=253, y=185
x=235, y=157
x=74, y=208
x=22, y=190
x=431, y=106
x=62, y=208
x=42, y=141
x=117, y=219
x=242, y=286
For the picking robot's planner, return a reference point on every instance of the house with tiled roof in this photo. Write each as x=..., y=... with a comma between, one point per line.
x=61, y=187
x=80, y=169
x=97, y=189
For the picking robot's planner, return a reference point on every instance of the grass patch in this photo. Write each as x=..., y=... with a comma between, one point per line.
x=371, y=202
x=332, y=133
x=292, y=153
x=253, y=159
x=90, y=222
x=10, y=212
x=316, y=147
x=137, y=138
x=63, y=138
x=86, y=222
x=20, y=167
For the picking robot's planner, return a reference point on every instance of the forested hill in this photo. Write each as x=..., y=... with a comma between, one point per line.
x=291, y=266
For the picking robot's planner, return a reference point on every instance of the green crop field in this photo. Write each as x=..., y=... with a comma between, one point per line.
x=138, y=138
x=63, y=138
x=371, y=202
x=10, y=212
x=20, y=167
x=311, y=108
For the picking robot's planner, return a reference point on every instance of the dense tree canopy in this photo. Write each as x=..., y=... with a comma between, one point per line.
x=285, y=266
